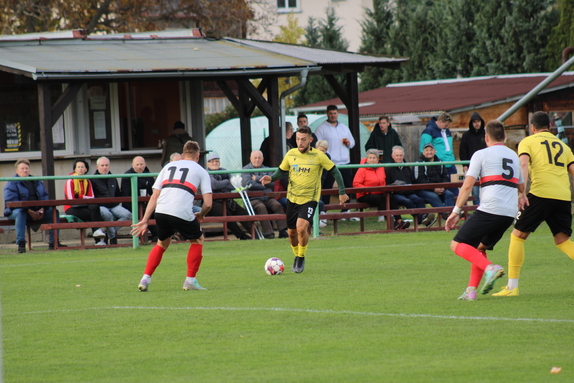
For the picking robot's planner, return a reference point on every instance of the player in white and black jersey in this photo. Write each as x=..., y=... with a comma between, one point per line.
x=172, y=199
x=498, y=168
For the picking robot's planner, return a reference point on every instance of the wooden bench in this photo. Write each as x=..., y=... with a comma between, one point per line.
x=10, y=222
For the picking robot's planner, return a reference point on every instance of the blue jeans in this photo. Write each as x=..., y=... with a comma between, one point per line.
x=454, y=191
x=447, y=199
x=410, y=201
x=476, y=194
x=116, y=213
x=21, y=217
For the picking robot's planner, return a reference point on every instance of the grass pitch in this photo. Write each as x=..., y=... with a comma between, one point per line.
x=370, y=308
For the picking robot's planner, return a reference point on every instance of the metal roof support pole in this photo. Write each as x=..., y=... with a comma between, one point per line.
x=530, y=95
x=275, y=127
x=46, y=140
x=286, y=93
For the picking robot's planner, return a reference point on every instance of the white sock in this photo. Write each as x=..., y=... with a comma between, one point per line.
x=190, y=279
x=147, y=277
x=470, y=289
x=512, y=284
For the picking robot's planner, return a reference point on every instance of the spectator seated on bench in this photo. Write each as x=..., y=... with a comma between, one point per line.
x=424, y=174
x=82, y=189
x=108, y=187
x=23, y=190
x=403, y=175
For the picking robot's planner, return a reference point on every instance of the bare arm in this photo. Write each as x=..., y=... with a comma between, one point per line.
x=206, y=207
x=140, y=228
x=463, y=195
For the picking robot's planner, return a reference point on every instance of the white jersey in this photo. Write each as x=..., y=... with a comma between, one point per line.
x=498, y=168
x=334, y=136
x=178, y=182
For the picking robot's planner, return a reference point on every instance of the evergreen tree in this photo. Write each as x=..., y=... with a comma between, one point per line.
x=562, y=35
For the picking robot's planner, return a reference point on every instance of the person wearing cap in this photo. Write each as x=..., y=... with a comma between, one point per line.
x=426, y=174
x=263, y=204
x=175, y=142
x=384, y=137
x=221, y=183
x=471, y=141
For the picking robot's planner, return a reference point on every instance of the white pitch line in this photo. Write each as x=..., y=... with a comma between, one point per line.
x=402, y=315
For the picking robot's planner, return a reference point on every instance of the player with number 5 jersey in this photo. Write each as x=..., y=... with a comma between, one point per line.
x=547, y=161
x=501, y=194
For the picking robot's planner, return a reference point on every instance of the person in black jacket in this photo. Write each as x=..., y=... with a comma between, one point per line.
x=108, y=187
x=384, y=137
x=472, y=141
x=144, y=188
x=424, y=174
x=403, y=175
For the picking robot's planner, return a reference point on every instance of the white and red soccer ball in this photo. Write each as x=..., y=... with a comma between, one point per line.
x=274, y=266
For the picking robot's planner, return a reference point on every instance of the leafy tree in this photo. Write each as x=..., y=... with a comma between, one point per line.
x=327, y=35
x=562, y=34
x=216, y=17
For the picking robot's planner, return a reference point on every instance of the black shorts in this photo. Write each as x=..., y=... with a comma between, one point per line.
x=556, y=213
x=295, y=211
x=485, y=228
x=168, y=225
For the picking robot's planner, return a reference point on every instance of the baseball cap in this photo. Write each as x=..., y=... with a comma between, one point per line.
x=212, y=156
x=428, y=145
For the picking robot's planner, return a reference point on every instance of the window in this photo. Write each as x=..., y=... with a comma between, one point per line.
x=288, y=6
x=20, y=118
x=147, y=112
x=99, y=116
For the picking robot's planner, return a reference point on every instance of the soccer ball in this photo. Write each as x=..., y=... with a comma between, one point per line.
x=274, y=266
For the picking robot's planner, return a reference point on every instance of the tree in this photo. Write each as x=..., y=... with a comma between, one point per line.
x=327, y=35
x=216, y=17
x=562, y=35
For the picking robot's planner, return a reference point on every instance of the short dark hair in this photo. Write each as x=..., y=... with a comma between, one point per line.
x=385, y=118
x=191, y=147
x=85, y=164
x=304, y=129
x=332, y=107
x=301, y=116
x=540, y=120
x=178, y=125
x=495, y=130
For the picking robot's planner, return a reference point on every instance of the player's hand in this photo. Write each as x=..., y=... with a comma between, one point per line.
x=523, y=201
x=139, y=229
x=451, y=221
x=199, y=217
x=265, y=180
x=343, y=198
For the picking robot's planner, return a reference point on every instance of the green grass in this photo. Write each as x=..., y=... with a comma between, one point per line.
x=370, y=308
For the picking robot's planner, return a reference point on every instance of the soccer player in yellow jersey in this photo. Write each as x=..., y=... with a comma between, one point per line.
x=305, y=166
x=547, y=161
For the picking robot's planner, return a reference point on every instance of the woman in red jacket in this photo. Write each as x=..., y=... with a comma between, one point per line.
x=369, y=177
x=82, y=189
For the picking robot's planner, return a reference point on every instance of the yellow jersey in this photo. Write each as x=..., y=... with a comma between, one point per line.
x=548, y=165
x=305, y=171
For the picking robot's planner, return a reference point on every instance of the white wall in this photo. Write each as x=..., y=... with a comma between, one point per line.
x=349, y=12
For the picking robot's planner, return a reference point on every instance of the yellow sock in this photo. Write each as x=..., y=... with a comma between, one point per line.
x=567, y=247
x=295, y=250
x=302, y=251
x=515, y=256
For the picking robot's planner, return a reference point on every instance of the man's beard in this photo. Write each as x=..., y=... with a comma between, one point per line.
x=304, y=150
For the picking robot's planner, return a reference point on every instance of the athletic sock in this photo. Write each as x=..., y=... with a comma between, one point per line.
x=470, y=289
x=154, y=259
x=567, y=247
x=295, y=250
x=472, y=255
x=194, y=257
x=515, y=256
x=512, y=283
x=476, y=274
x=302, y=251
x=190, y=279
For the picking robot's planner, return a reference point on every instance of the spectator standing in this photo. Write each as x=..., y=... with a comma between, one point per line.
x=302, y=120
x=384, y=137
x=144, y=187
x=266, y=144
x=172, y=201
x=340, y=141
x=175, y=141
x=472, y=141
x=430, y=174
x=263, y=205
x=221, y=183
x=24, y=190
x=105, y=188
